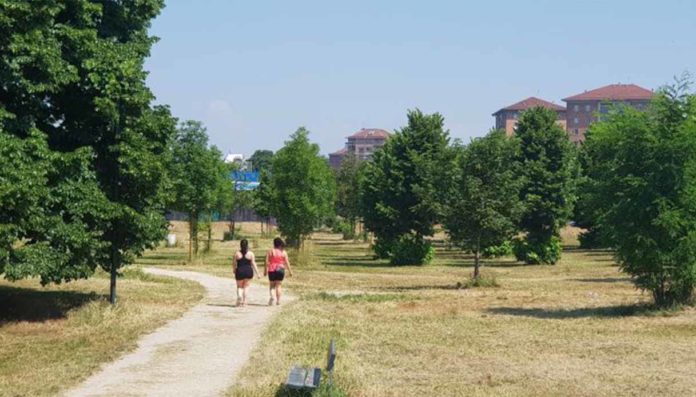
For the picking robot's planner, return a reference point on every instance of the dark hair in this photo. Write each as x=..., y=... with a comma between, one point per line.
x=244, y=245
x=278, y=243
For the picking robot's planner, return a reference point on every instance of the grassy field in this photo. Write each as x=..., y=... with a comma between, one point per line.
x=52, y=338
x=576, y=328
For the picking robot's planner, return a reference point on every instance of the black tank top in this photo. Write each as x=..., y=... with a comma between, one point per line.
x=243, y=261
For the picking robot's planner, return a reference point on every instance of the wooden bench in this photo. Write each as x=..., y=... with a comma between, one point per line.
x=303, y=378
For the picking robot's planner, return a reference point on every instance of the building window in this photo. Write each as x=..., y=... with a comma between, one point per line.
x=587, y=108
x=576, y=108
x=576, y=121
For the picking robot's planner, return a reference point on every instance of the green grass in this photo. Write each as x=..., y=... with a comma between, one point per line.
x=51, y=338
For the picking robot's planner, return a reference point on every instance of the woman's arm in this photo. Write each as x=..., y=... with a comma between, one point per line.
x=265, y=265
x=253, y=263
x=234, y=262
x=287, y=263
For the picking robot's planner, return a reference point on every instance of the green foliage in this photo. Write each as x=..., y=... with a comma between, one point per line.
x=261, y=160
x=402, y=188
x=345, y=228
x=549, y=171
x=537, y=252
x=410, y=249
x=483, y=201
x=348, y=193
x=200, y=178
x=498, y=251
x=299, y=191
x=72, y=76
x=643, y=186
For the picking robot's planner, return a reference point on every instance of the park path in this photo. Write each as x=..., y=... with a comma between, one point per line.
x=199, y=354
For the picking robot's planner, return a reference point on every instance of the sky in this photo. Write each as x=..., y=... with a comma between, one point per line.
x=253, y=71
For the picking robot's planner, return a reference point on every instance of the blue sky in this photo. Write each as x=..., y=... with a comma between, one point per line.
x=253, y=71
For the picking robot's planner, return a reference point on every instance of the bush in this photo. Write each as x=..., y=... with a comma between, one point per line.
x=410, y=250
x=504, y=249
x=344, y=227
x=591, y=238
x=538, y=252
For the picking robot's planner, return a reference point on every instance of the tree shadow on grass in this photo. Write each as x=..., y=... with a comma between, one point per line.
x=448, y=287
x=26, y=304
x=603, y=280
x=562, y=314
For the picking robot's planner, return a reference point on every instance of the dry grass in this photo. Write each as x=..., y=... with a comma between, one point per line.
x=578, y=328
x=52, y=338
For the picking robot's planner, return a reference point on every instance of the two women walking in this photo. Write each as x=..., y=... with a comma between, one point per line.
x=244, y=266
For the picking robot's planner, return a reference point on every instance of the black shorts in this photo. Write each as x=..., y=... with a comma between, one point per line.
x=278, y=275
x=244, y=273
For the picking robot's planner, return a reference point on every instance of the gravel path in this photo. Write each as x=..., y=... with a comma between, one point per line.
x=199, y=354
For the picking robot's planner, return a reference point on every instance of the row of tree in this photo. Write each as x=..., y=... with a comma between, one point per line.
x=635, y=177
x=484, y=194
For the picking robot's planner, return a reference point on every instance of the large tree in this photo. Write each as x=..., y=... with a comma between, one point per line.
x=643, y=186
x=299, y=191
x=402, y=189
x=73, y=86
x=483, y=204
x=548, y=168
x=200, y=178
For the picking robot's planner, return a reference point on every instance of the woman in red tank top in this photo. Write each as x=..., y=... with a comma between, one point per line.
x=276, y=263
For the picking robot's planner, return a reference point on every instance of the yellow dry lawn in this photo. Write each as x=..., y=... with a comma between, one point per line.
x=578, y=328
x=51, y=338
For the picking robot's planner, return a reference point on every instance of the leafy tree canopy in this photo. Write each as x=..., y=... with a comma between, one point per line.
x=548, y=168
x=642, y=183
x=299, y=191
x=402, y=188
x=73, y=91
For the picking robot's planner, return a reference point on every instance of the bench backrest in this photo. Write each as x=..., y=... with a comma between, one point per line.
x=331, y=357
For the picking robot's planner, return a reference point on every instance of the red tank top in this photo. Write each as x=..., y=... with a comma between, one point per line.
x=276, y=260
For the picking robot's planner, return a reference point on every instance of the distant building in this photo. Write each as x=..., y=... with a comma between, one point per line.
x=588, y=107
x=362, y=144
x=506, y=118
x=234, y=158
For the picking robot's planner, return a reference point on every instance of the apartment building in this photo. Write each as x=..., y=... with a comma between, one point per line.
x=506, y=118
x=362, y=144
x=585, y=108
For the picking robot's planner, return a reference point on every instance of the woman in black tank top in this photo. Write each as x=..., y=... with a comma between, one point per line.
x=244, y=266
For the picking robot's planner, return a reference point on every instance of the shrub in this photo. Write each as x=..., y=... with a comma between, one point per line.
x=411, y=250
x=504, y=249
x=538, y=252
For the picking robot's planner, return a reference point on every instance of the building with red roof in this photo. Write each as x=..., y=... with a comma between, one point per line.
x=585, y=108
x=362, y=144
x=506, y=118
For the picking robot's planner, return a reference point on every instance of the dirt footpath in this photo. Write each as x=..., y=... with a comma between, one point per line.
x=199, y=354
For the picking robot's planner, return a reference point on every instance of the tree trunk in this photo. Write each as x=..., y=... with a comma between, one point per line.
x=190, y=237
x=112, y=286
x=209, y=243
x=477, y=258
x=194, y=230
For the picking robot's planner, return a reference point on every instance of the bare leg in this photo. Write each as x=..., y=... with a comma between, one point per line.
x=277, y=290
x=246, y=292
x=240, y=284
x=271, y=286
